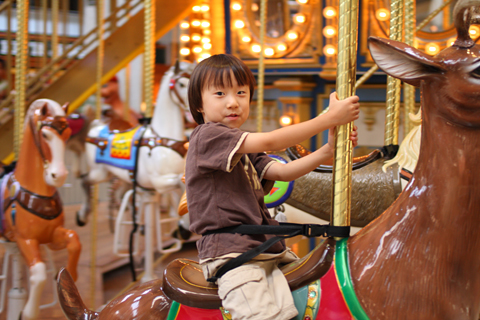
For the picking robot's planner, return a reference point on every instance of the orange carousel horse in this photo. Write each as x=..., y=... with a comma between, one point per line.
x=31, y=208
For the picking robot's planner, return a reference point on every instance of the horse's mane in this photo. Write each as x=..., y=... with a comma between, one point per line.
x=407, y=155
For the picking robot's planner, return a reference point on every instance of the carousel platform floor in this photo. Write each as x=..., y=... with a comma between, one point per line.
x=112, y=274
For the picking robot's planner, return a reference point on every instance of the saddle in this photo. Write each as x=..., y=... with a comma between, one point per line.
x=183, y=279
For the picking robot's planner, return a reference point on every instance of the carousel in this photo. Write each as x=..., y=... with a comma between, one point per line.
x=385, y=230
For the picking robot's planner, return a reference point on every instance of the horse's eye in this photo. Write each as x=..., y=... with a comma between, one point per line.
x=44, y=135
x=182, y=85
x=476, y=73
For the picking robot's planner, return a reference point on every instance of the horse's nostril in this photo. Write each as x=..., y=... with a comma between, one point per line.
x=54, y=176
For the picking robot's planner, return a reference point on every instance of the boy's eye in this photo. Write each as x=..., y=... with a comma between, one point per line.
x=241, y=92
x=219, y=93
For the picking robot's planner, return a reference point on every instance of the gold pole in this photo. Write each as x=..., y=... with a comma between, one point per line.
x=346, y=75
x=98, y=113
x=149, y=58
x=261, y=65
x=392, y=111
x=55, y=8
x=44, y=35
x=408, y=90
x=20, y=70
x=126, y=104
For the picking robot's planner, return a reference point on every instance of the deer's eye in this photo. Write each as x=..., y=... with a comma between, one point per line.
x=476, y=73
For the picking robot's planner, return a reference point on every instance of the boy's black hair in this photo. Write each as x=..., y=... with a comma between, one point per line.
x=215, y=71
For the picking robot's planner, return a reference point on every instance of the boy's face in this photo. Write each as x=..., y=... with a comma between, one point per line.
x=230, y=105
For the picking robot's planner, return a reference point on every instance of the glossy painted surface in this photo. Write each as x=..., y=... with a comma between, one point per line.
x=332, y=304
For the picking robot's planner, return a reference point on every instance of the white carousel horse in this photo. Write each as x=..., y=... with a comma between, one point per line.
x=30, y=207
x=156, y=150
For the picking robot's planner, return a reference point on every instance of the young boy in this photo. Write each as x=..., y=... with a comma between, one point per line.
x=224, y=174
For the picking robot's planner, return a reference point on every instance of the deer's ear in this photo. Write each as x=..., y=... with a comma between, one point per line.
x=402, y=61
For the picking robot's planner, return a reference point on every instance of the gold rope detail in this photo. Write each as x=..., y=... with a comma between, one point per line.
x=409, y=90
x=261, y=65
x=149, y=55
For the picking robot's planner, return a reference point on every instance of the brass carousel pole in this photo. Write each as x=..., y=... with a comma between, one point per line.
x=20, y=73
x=98, y=113
x=392, y=112
x=261, y=65
x=346, y=74
x=409, y=90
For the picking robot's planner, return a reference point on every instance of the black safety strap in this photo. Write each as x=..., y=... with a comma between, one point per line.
x=284, y=230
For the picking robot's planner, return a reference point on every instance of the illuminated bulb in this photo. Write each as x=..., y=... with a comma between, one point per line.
x=185, y=38
x=196, y=23
x=205, y=24
x=239, y=24
x=269, y=52
x=196, y=37
x=281, y=47
x=329, y=50
x=206, y=40
x=205, y=8
x=246, y=39
x=299, y=18
x=329, y=12
x=197, y=49
x=184, y=51
x=292, y=35
x=236, y=6
x=329, y=31
x=254, y=7
x=205, y=55
x=382, y=14
x=256, y=48
x=451, y=41
x=432, y=48
x=302, y=1
x=184, y=25
x=207, y=31
x=143, y=107
x=286, y=120
x=474, y=31
x=196, y=8
x=207, y=46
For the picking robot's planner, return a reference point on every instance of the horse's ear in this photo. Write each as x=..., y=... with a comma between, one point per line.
x=44, y=109
x=402, y=61
x=177, y=67
x=65, y=107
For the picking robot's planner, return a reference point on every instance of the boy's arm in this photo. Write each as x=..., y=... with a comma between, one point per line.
x=341, y=112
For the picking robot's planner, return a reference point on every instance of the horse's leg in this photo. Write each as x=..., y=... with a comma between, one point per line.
x=66, y=238
x=30, y=250
x=95, y=176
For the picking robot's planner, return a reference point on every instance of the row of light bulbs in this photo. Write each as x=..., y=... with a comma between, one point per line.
x=291, y=35
x=195, y=35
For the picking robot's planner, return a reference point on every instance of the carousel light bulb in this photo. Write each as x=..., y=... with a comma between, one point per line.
x=254, y=7
x=269, y=52
x=207, y=32
x=207, y=46
x=281, y=47
x=299, y=18
x=474, y=31
x=382, y=14
x=205, y=24
x=286, y=120
x=196, y=8
x=292, y=35
x=329, y=12
x=329, y=31
x=196, y=23
x=239, y=24
x=432, y=48
x=329, y=50
x=204, y=56
x=205, y=8
x=302, y=1
x=196, y=37
x=184, y=25
x=256, y=48
x=185, y=38
x=184, y=51
x=236, y=6
x=246, y=39
x=197, y=49
x=451, y=41
x=206, y=40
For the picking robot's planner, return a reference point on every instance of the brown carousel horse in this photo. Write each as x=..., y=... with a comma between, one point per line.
x=418, y=260
x=30, y=207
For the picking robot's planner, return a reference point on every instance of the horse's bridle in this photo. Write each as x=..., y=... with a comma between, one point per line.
x=57, y=123
x=173, y=89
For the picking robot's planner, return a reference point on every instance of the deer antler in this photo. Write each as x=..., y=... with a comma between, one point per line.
x=465, y=12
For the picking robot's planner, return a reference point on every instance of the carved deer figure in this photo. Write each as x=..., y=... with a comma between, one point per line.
x=418, y=260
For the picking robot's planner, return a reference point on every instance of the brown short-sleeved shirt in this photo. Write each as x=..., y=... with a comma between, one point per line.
x=225, y=189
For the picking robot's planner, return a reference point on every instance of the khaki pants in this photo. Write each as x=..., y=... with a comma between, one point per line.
x=257, y=290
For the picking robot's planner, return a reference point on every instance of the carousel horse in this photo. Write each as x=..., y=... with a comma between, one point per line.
x=418, y=260
x=79, y=124
x=160, y=145
x=30, y=207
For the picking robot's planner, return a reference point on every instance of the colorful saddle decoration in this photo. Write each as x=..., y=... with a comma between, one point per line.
x=118, y=148
x=281, y=190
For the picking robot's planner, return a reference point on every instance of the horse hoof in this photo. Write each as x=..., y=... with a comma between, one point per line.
x=80, y=223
